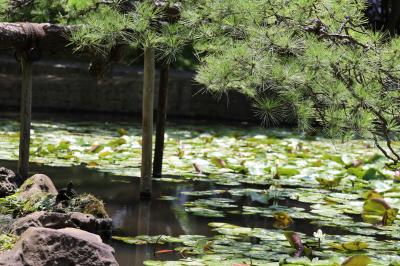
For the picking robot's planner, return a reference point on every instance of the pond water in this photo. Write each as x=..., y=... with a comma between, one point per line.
x=133, y=217
x=238, y=177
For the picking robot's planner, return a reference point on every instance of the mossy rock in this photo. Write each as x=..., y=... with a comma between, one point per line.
x=87, y=203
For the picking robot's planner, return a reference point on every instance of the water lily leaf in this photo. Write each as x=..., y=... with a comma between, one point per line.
x=329, y=183
x=130, y=240
x=373, y=195
x=145, y=239
x=389, y=216
x=116, y=142
x=51, y=148
x=205, y=212
x=63, y=145
x=95, y=148
x=377, y=210
x=356, y=171
x=375, y=205
x=104, y=154
x=357, y=260
x=220, y=163
x=259, y=197
x=335, y=158
x=287, y=172
x=350, y=246
x=373, y=174
x=122, y=132
x=282, y=220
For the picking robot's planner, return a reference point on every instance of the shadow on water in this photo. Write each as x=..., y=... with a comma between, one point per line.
x=132, y=217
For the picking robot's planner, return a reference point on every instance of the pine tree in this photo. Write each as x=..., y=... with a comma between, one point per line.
x=313, y=58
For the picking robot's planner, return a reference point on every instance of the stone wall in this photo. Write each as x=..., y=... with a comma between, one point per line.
x=67, y=87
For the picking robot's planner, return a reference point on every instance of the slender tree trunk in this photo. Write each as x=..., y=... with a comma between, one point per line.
x=161, y=120
x=147, y=123
x=25, y=118
x=394, y=16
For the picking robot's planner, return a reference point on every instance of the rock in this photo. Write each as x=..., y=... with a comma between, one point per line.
x=36, y=186
x=5, y=223
x=56, y=220
x=8, y=182
x=69, y=246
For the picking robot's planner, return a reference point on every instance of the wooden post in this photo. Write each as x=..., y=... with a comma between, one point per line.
x=147, y=122
x=25, y=117
x=161, y=120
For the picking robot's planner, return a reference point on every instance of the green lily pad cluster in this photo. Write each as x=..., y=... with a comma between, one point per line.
x=254, y=172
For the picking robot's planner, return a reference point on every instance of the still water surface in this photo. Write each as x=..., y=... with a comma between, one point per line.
x=132, y=217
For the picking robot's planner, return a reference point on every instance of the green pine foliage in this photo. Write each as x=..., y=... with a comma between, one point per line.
x=101, y=30
x=315, y=57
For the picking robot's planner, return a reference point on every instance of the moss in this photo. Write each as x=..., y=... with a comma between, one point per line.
x=26, y=185
x=18, y=208
x=87, y=203
x=7, y=241
x=9, y=204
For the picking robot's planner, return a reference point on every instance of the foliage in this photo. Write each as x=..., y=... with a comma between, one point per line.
x=101, y=31
x=314, y=57
x=7, y=241
x=57, y=11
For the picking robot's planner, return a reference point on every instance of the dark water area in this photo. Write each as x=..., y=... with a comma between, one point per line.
x=132, y=217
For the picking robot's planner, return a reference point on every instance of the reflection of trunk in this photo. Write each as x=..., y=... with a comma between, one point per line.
x=161, y=120
x=143, y=229
x=147, y=122
x=25, y=119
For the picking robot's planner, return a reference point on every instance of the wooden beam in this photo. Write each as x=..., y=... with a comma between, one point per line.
x=161, y=120
x=25, y=117
x=48, y=38
x=147, y=123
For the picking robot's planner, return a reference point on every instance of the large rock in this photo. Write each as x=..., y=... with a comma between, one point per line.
x=56, y=220
x=8, y=182
x=43, y=246
x=38, y=185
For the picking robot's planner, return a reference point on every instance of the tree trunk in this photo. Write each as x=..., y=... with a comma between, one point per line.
x=161, y=120
x=147, y=122
x=25, y=119
x=393, y=17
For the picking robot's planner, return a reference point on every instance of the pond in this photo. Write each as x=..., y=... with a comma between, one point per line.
x=223, y=186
